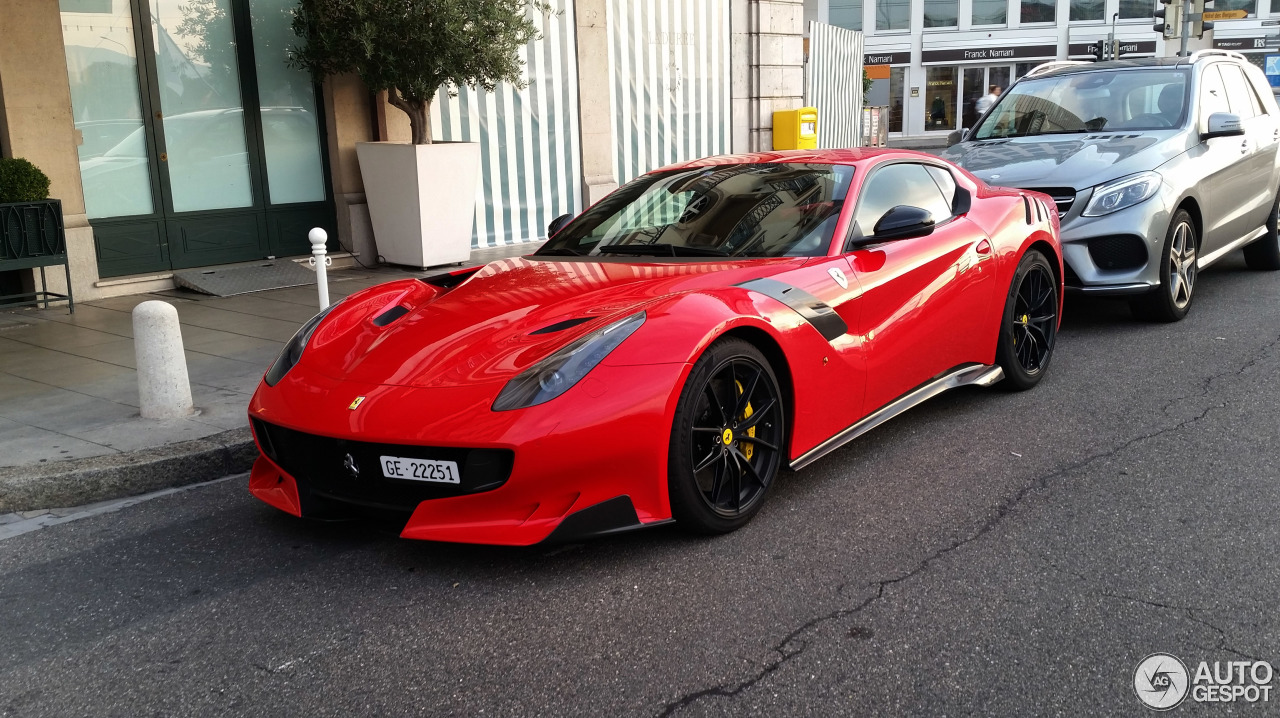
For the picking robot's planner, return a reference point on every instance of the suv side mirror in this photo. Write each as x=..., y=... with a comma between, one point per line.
x=1222, y=124
x=957, y=136
x=904, y=222
x=558, y=224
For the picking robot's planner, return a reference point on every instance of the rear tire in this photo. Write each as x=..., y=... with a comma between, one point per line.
x=1263, y=254
x=718, y=474
x=1029, y=325
x=1172, y=300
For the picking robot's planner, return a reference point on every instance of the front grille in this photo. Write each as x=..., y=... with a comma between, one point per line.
x=1063, y=197
x=318, y=464
x=1121, y=251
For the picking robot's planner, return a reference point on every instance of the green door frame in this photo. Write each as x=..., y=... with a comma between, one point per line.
x=165, y=239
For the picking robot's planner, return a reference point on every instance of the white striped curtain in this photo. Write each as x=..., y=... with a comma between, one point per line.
x=833, y=84
x=669, y=60
x=531, y=158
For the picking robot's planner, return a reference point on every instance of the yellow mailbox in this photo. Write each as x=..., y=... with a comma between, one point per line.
x=795, y=129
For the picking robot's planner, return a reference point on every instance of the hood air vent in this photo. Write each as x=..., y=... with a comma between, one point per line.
x=561, y=326
x=389, y=316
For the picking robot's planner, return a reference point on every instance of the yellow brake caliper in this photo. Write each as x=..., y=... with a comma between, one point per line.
x=747, y=449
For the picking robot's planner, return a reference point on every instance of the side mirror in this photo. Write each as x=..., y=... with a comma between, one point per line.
x=1222, y=124
x=904, y=222
x=558, y=224
x=957, y=136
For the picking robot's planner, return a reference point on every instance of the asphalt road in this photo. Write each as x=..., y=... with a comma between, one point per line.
x=987, y=554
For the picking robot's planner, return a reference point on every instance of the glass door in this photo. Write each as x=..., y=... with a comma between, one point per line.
x=202, y=146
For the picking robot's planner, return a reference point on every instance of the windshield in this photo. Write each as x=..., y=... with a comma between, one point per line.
x=1090, y=102
x=742, y=210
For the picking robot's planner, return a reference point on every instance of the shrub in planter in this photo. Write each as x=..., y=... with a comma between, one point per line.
x=21, y=181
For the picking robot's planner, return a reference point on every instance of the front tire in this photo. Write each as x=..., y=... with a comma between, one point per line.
x=1264, y=253
x=1029, y=326
x=1172, y=300
x=726, y=439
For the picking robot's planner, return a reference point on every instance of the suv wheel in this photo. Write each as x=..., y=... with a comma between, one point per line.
x=1172, y=300
x=1264, y=252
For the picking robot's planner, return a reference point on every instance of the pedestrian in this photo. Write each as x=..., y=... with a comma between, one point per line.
x=986, y=101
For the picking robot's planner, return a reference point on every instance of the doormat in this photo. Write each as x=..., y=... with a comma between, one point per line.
x=245, y=278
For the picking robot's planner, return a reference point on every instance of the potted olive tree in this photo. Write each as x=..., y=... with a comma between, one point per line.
x=421, y=195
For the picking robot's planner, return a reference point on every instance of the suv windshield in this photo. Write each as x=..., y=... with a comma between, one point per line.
x=1154, y=99
x=740, y=210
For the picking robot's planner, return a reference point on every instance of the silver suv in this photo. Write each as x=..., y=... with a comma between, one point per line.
x=1158, y=168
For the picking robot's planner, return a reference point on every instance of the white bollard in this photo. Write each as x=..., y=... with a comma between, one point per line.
x=164, y=390
x=320, y=261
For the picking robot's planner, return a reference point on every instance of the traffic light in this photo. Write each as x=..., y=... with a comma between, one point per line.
x=1169, y=19
x=1098, y=50
x=1198, y=24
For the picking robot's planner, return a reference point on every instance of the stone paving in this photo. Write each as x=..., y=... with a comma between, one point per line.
x=68, y=385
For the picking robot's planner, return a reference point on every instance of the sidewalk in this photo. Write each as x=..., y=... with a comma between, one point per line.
x=70, y=432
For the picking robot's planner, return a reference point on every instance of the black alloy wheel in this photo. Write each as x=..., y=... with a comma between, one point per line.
x=1029, y=327
x=727, y=438
x=1263, y=254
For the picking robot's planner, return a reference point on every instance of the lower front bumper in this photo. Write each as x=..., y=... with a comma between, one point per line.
x=462, y=519
x=1112, y=290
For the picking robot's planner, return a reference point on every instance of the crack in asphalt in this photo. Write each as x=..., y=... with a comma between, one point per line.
x=1189, y=612
x=793, y=645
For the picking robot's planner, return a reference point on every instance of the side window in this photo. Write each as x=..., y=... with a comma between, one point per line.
x=898, y=184
x=1213, y=95
x=946, y=185
x=1242, y=101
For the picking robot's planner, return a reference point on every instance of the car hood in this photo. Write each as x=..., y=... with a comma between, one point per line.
x=502, y=319
x=1076, y=161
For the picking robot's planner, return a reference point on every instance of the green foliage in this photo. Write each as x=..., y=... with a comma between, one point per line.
x=866, y=84
x=413, y=47
x=21, y=181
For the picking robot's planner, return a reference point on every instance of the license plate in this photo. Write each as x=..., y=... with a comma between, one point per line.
x=441, y=472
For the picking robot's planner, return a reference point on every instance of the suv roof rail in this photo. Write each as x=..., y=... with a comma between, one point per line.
x=1198, y=54
x=1041, y=69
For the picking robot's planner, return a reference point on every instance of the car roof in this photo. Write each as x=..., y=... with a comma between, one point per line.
x=849, y=156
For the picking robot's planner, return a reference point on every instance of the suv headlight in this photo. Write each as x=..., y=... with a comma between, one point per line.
x=554, y=375
x=292, y=351
x=1124, y=192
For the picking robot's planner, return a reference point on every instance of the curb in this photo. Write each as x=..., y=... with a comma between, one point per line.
x=100, y=478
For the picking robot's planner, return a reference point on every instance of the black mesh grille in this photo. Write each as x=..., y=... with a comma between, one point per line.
x=1122, y=251
x=318, y=463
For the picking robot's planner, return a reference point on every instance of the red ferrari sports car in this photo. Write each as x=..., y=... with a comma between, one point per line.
x=666, y=353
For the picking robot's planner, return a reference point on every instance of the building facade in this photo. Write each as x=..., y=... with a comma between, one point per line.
x=941, y=56
x=177, y=135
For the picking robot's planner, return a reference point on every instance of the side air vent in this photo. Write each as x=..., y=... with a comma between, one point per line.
x=561, y=326
x=389, y=316
x=1026, y=207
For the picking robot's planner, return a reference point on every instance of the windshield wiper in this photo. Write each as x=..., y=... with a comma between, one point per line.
x=561, y=251
x=661, y=248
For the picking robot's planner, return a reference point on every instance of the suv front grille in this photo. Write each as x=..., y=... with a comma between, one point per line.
x=1063, y=197
x=318, y=465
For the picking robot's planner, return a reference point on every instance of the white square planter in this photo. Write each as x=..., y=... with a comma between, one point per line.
x=422, y=199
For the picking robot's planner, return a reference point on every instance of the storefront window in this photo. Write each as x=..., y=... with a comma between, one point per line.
x=846, y=14
x=893, y=15
x=290, y=130
x=1039, y=11
x=974, y=89
x=102, y=66
x=897, y=79
x=1249, y=6
x=941, y=90
x=990, y=12
x=1084, y=10
x=941, y=13
x=1023, y=68
x=1133, y=9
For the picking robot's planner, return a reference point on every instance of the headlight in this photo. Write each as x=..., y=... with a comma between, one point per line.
x=292, y=351
x=554, y=375
x=1124, y=192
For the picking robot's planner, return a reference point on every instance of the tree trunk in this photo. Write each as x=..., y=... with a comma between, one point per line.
x=419, y=112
